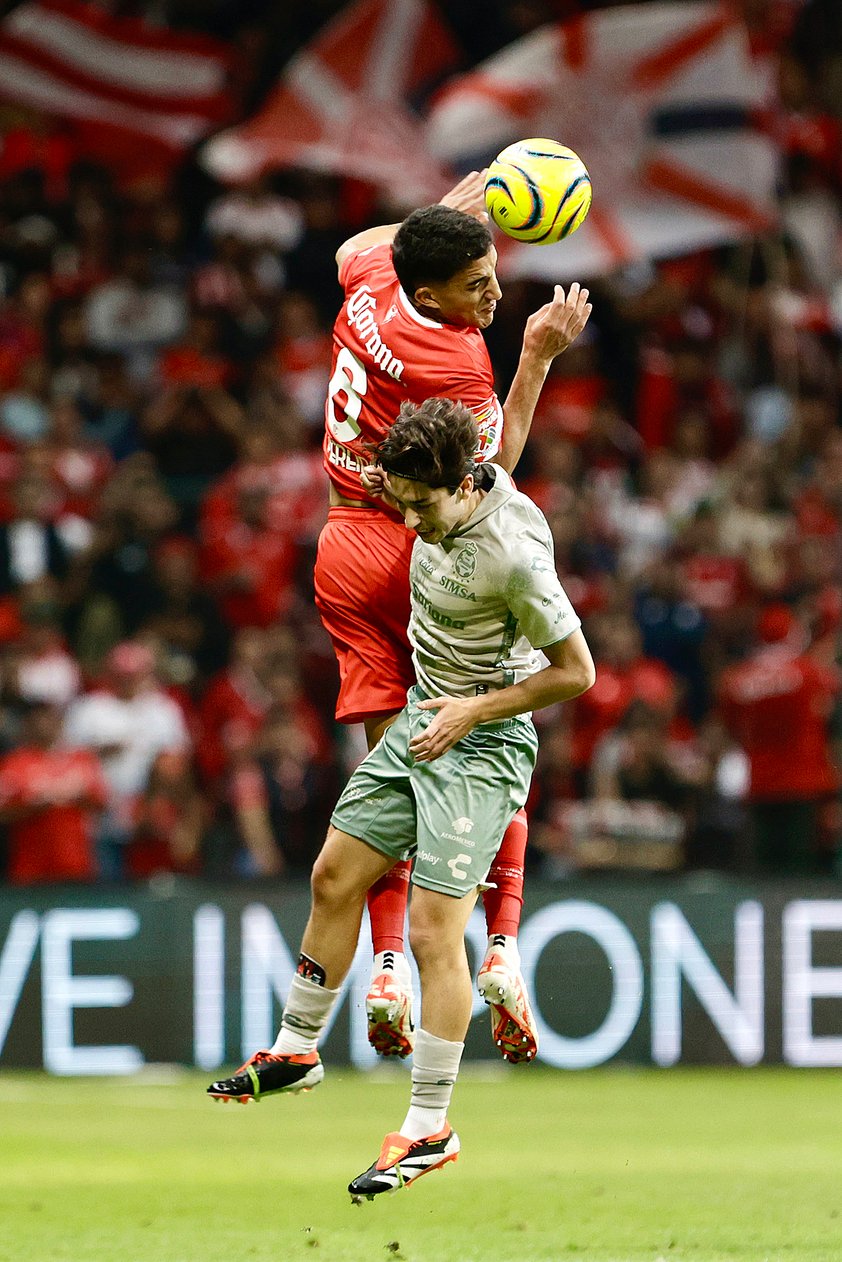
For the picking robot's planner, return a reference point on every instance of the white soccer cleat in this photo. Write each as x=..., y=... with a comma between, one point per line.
x=501, y=986
x=388, y=1007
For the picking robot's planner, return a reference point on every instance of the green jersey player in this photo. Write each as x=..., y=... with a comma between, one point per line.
x=494, y=637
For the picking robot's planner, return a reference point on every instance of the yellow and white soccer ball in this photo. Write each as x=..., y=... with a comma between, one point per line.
x=538, y=191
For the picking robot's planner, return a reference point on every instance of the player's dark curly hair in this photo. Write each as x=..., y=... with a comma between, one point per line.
x=433, y=442
x=436, y=242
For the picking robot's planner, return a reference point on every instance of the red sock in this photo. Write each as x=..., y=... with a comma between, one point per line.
x=387, y=908
x=503, y=905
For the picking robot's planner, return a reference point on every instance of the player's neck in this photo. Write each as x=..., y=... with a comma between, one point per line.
x=472, y=503
x=429, y=313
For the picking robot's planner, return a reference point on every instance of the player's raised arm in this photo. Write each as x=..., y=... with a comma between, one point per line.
x=467, y=196
x=549, y=331
x=365, y=240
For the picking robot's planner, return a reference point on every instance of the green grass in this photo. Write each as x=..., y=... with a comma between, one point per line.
x=622, y=1166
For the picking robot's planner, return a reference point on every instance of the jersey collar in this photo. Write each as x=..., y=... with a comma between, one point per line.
x=416, y=315
x=502, y=491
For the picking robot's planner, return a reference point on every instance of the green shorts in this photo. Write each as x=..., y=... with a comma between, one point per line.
x=449, y=815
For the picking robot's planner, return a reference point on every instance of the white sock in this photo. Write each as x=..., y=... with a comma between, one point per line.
x=507, y=946
x=392, y=962
x=306, y=1013
x=435, y=1065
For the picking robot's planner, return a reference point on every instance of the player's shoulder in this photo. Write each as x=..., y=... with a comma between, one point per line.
x=516, y=503
x=372, y=265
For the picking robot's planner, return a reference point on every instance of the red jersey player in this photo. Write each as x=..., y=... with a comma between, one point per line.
x=418, y=295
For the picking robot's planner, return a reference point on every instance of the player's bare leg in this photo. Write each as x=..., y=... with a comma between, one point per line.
x=426, y=1141
x=388, y=1003
x=341, y=877
x=499, y=981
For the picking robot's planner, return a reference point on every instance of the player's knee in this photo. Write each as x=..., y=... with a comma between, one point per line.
x=430, y=939
x=330, y=880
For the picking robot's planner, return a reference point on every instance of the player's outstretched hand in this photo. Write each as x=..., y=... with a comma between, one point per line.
x=553, y=328
x=456, y=718
x=469, y=196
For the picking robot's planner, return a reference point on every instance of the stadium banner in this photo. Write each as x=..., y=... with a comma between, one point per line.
x=667, y=972
x=130, y=92
x=667, y=105
x=345, y=103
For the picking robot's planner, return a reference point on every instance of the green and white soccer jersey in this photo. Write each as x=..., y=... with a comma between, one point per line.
x=484, y=602
x=449, y=814
x=487, y=598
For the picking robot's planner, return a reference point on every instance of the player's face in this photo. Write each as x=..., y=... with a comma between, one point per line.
x=432, y=512
x=469, y=298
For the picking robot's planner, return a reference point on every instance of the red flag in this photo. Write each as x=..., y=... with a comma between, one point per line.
x=79, y=63
x=341, y=103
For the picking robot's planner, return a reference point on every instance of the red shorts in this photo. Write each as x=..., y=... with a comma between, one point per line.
x=362, y=594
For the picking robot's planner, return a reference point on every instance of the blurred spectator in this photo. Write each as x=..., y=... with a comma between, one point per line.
x=234, y=705
x=673, y=629
x=777, y=704
x=194, y=433
x=111, y=407
x=170, y=819
x=259, y=218
x=639, y=520
x=31, y=545
x=251, y=565
x=23, y=318
x=128, y=725
x=49, y=796
x=196, y=362
x=638, y=762
x=719, y=817
x=24, y=414
x=623, y=676
x=303, y=355
x=282, y=799
x=114, y=583
x=752, y=521
x=46, y=671
x=183, y=616
x=80, y=466
x=134, y=315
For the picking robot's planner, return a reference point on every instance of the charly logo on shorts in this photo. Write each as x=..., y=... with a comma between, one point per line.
x=466, y=561
x=460, y=872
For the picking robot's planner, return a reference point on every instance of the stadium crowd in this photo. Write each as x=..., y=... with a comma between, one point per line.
x=166, y=688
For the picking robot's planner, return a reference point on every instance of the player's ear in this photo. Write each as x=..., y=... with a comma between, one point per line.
x=424, y=297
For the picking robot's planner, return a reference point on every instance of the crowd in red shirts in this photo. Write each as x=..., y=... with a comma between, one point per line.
x=166, y=689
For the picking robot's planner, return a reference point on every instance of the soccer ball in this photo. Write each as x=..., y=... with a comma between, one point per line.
x=538, y=191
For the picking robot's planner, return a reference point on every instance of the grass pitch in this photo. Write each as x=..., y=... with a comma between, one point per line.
x=608, y=1166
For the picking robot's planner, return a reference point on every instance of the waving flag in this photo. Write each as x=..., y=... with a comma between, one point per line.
x=658, y=100
x=76, y=62
x=341, y=104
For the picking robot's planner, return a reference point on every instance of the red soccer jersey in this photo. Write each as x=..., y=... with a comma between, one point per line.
x=53, y=843
x=385, y=352
x=777, y=705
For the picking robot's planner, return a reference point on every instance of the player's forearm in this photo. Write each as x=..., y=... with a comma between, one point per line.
x=547, y=687
x=365, y=241
x=519, y=408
